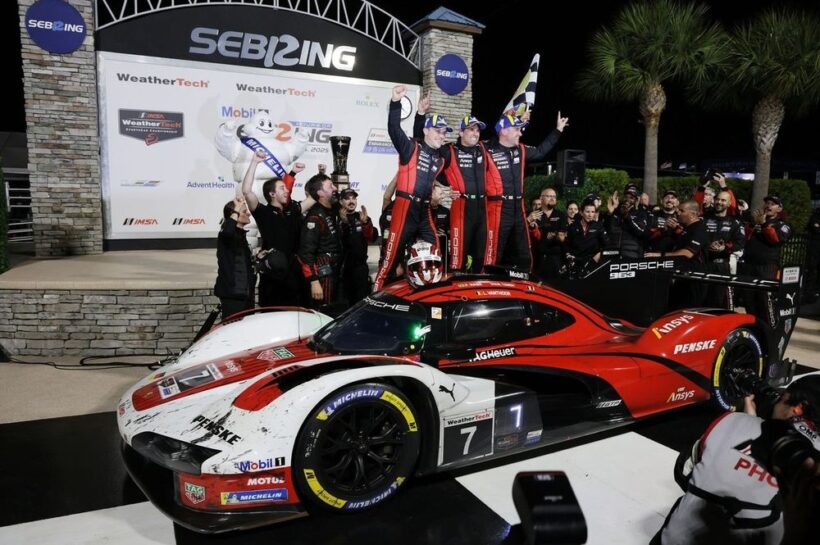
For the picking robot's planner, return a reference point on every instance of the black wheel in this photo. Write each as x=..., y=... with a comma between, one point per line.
x=739, y=354
x=357, y=448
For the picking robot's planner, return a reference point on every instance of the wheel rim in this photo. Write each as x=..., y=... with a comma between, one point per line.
x=739, y=357
x=361, y=449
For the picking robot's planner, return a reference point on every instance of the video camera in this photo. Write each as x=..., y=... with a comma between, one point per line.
x=783, y=443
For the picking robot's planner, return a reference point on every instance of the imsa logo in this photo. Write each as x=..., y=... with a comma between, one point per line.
x=140, y=221
x=189, y=221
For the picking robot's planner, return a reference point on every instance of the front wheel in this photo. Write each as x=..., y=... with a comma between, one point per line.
x=357, y=448
x=739, y=354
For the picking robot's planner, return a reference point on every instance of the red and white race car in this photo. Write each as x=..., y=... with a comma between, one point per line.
x=273, y=414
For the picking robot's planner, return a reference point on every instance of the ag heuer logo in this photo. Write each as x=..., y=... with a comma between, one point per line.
x=189, y=221
x=151, y=127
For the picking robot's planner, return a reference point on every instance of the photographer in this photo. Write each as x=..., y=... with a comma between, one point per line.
x=732, y=492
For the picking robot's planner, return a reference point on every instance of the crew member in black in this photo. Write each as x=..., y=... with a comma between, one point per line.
x=625, y=224
x=761, y=257
x=279, y=223
x=692, y=245
x=663, y=226
x=235, y=278
x=320, y=249
x=548, y=230
x=419, y=164
x=507, y=230
x=586, y=238
x=726, y=242
x=357, y=233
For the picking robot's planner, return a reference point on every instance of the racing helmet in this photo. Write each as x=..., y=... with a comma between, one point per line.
x=424, y=265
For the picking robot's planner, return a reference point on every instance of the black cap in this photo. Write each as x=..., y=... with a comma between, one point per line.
x=670, y=192
x=592, y=197
x=774, y=198
x=632, y=189
x=345, y=193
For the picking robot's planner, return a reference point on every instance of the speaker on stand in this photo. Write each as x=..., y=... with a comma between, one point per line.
x=572, y=167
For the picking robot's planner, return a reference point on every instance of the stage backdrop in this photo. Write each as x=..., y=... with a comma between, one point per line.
x=162, y=102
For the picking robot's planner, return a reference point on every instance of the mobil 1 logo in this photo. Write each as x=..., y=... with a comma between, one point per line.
x=468, y=436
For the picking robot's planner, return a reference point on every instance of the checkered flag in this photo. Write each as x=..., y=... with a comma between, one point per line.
x=524, y=96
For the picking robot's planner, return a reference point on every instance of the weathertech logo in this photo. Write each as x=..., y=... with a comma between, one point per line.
x=140, y=221
x=189, y=221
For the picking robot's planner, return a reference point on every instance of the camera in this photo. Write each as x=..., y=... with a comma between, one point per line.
x=710, y=175
x=273, y=263
x=747, y=382
x=784, y=444
x=548, y=509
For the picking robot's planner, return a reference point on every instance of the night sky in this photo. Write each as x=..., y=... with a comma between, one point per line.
x=610, y=133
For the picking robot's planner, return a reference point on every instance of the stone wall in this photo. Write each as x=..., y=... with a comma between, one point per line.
x=63, y=146
x=92, y=322
x=436, y=42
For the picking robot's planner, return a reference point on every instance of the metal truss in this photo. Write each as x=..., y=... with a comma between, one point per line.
x=357, y=15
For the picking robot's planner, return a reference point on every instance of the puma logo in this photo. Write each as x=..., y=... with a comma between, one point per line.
x=790, y=297
x=444, y=390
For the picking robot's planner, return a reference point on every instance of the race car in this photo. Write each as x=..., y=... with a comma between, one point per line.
x=273, y=415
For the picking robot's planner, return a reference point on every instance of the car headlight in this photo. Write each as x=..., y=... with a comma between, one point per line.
x=171, y=453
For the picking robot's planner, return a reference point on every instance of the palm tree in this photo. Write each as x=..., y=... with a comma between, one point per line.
x=648, y=45
x=775, y=62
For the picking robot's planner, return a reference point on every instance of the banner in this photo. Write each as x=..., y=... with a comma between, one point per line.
x=162, y=174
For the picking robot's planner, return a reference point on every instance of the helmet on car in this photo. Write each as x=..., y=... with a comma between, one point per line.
x=423, y=264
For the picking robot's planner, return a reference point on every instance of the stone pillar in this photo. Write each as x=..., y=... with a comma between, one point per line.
x=63, y=144
x=442, y=32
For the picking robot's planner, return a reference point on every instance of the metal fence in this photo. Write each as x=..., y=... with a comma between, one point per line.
x=18, y=202
x=794, y=251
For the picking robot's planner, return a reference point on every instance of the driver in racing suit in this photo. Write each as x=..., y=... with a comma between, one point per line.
x=730, y=497
x=507, y=233
x=419, y=164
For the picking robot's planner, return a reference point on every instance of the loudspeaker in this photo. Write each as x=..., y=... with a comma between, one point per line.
x=572, y=167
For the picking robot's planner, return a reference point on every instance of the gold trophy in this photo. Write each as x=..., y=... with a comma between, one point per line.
x=340, y=147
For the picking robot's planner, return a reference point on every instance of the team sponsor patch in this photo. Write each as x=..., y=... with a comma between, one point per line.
x=494, y=354
x=435, y=313
x=268, y=479
x=791, y=275
x=275, y=354
x=694, y=347
x=681, y=394
x=673, y=324
x=254, y=496
x=250, y=466
x=533, y=437
x=487, y=293
x=608, y=404
x=194, y=492
x=168, y=387
x=468, y=418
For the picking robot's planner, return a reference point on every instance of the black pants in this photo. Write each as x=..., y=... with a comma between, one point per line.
x=282, y=292
x=513, y=237
x=232, y=306
x=468, y=234
x=356, y=283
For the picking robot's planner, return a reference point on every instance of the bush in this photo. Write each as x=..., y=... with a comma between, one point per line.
x=601, y=181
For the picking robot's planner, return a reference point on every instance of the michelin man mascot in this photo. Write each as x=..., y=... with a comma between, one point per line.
x=238, y=143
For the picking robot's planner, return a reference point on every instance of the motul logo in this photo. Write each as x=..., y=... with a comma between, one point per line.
x=140, y=221
x=189, y=221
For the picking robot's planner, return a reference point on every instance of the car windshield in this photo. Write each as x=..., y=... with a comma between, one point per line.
x=379, y=324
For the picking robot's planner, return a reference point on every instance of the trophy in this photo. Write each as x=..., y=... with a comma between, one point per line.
x=339, y=147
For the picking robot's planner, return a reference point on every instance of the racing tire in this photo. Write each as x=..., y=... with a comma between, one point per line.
x=740, y=351
x=356, y=448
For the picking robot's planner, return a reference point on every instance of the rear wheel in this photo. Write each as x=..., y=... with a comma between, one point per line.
x=739, y=355
x=357, y=448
